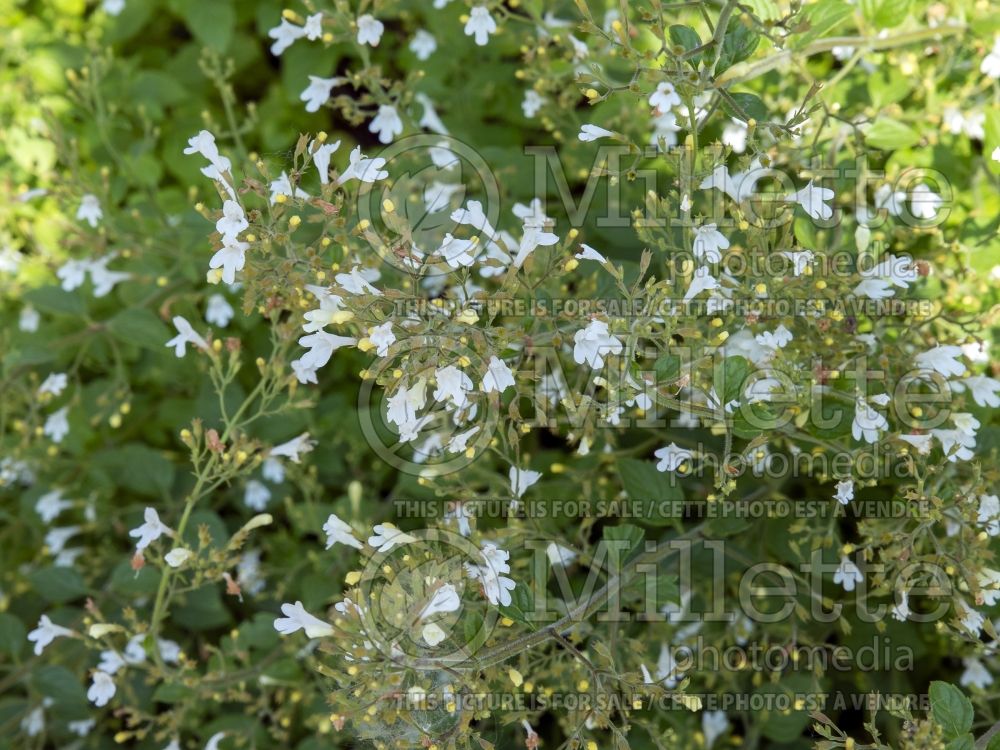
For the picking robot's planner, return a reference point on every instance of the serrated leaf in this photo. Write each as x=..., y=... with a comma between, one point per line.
x=950, y=709
x=890, y=135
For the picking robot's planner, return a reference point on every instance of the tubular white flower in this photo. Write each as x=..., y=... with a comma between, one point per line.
x=102, y=689
x=445, y=599
x=387, y=536
x=370, y=30
x=480, y=25
x=338, y=532
x=594, y=343
x=46, y=632
x=296, y=618
x=185, y=335
x=671, y=457
x=521, y=480
x=150, y=530
x=293, y=449
x=847, y=574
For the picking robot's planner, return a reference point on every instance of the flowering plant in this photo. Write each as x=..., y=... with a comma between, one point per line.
x=484, y=374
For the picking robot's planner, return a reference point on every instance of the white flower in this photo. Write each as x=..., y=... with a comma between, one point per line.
x=316, y=94
x=283, y=186
x=480, y=25
x=57, y=425
x=496, y=587
x=498, y=376
x=708, y=241
x=256, y=495
x=150, y=530
x=800, y=261
x=990, y=65
x=370, y=30
x=185, y=335
x=713, y=725
x=51, y=504
x=975, y=675
x=779, y=339
x=813, y=200
x=533, y=101
x=924, y=202
x=296, y=618
x=382, y=337
x=423, y=44
x=432, y=634
x=321, y=346
x=387, y=536
x=102, y=689
x=700, y=282
x=430, y=119
x=453, y=385
x=984, y=390
x=874, y=289
x=845, y=491
x=386, y=124
x=665, y=128
x=445, y=599
x=901, y=610
x=559, y=555
x=112, y=8
x=29, y=319
x=590, y=253
x=590, y=133
x=942, y=359
x=178, y=556
x=272, y=470
x=284, y=35
x=56, y=539
x=664, y=98
x=995, y=156
x=922, y=443
x=46, y=632
x=973, y=621
x=54, y=383
x=521, y=480
x=847, y=574
x=33, y=724
x=671, y=458
x=72, y=274
x=363, y=168
x=355, y=282
x=474, y=216
x=214, y=740
x=734, y=135
x=989, y=585
x=83, y=727
x=458, y=253
x=89, y=210
x=233, y=221
x=891, y=200
x=218, y=312
x=867, y=423
x=103, y=279
x=594, y=343
x=403, y=404
x=895, y=270
x=294, y=447
x=337, y=531
x=321, y=158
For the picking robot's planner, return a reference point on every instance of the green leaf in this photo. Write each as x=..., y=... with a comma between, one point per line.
x=644, y=483
x=744, y=106
x=765, y=10
x=171, y=692
x=52, y=299
x=59, y=684
x=624, y=532
x=202, y=609
x=12, y=634
x=139, y=327
x=889, y=135
x=950, y=709
x=522, y=604
x=138, y=468
x=730, y=378
x=885, y=13
x=667, y=368
x=751, y=420
x=688, y=39
x=739, y=43
x=965, y=742
x=211, y=21
x=994, y=743
x=821, y=18
x=58, y=585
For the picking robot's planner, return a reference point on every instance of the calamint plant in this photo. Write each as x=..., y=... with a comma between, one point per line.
x=454, y=374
